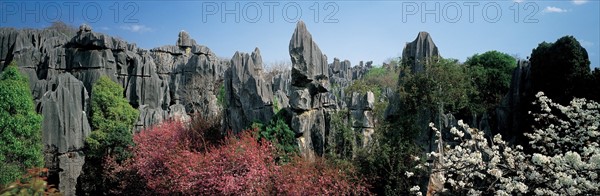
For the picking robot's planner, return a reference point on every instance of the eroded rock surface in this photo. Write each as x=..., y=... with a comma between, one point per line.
x=248, y=96
x=420, y=51
x=165, y=82
x=309, y=97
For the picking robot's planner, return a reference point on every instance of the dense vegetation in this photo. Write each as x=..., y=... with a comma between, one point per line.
x=168, y=159
x=112, y=120
x=20, y=127
x=491, y=73
x=565, y=159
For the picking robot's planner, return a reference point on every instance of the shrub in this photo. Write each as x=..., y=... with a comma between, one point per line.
x=342, y=139
x=32, y=183
x=112, y=119
x=566, y=159
x=241, y=164
x=20, y=133
x=164, y=158
x=279, y=134
x=301, y=177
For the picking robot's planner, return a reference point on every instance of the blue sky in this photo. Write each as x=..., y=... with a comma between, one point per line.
x=353, y=30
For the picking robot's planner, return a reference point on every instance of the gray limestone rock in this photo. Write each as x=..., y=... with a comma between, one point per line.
x=185, y=40
x=64, y=127
x=309, y=97
x=419, y=52
x=62, y=71
x=248, y=97
x=308, y=63
x=64, y=107
x=70, y=165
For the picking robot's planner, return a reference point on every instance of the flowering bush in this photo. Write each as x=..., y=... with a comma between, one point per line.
x=301, y=177
x=566, y=160
x=166, y=158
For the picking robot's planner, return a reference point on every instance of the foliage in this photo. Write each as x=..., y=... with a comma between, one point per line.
x=165, y=158
x=20, y=134
x=32, y=183
x=560, y=69
x=276, y=106
x=121, y=178
x=302, y=177
x=384, y=162
x=221, y=96
x=279, y=133
x=204, y=132
x=342, y=139
x=491, y=73
x=376, y=80
x=112, y=119
x=566, y=160
x=443, y=85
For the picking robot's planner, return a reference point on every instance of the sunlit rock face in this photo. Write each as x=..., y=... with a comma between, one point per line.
x=249, y=98
x=309, y=98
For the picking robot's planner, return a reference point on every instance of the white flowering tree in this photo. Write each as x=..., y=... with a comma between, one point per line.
x=566, y=158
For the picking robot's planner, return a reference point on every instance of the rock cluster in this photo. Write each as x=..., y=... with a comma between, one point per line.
x=165, y=82
x=248, y=97
x=420, y=51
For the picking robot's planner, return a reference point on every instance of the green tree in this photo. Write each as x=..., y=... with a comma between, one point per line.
x=281, y=135
x=20, y=133
x=442, y=86
x=112, y=121
x=491, y=73
x=560, y=69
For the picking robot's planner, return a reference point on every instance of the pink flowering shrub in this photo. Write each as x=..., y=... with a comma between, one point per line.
x=167, y=159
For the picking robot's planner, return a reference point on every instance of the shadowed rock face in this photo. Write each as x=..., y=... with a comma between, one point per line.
x=419, y=51
x=248, y=97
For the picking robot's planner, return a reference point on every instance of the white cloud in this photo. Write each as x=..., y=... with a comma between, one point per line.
x=552, y=9
x=586, y=44
x=518, y=1
x=579, y=2
x=136, y=28
x=104, y=28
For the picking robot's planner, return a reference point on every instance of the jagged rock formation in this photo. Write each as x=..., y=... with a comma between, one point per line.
x=361, y=115
x=193, y=74
x=248, y=97
x=340, y=77
x=64, y=127
x=310, y=84
x=282, y=83
x=62, y=70
x=420, y=51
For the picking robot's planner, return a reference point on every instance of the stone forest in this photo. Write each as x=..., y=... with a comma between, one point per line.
x=86, y=113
